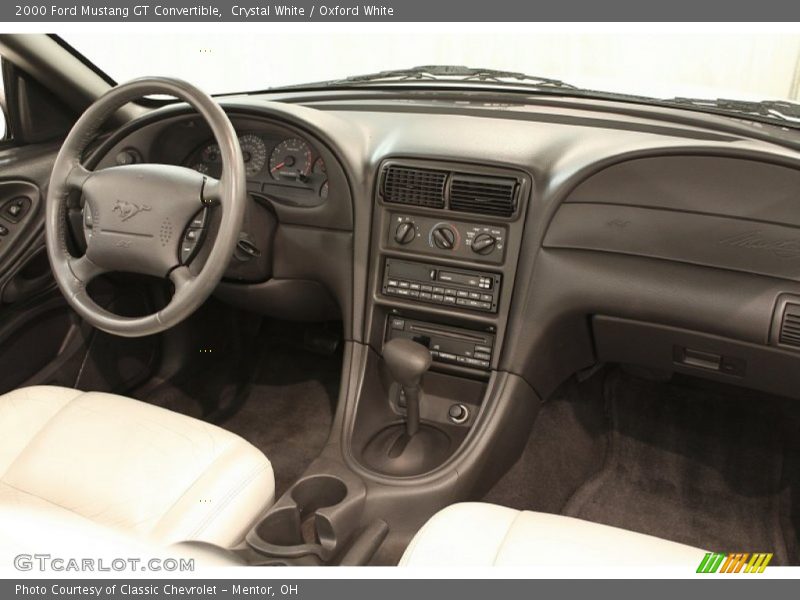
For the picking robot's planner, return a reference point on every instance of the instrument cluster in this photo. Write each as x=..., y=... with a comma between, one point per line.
x=271, y=163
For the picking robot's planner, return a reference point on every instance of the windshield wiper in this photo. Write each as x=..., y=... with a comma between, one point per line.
x=446, y=73
x=771, y=109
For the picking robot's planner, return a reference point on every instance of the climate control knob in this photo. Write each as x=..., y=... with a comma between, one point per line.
x=484, y=243
x=444, y=237
x=405, y=233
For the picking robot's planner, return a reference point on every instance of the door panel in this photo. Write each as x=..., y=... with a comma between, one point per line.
x=42, y=341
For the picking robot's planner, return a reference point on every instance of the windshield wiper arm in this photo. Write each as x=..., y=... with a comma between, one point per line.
x=774, y=109
x=449, y=73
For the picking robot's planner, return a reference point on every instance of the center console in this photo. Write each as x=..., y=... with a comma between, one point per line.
x=426, y=417
x=446, y=242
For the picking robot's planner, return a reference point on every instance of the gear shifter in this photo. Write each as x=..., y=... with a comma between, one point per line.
x=407, y=362
x=412, y=447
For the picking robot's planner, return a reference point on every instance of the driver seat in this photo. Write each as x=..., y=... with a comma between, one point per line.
x=132, y=467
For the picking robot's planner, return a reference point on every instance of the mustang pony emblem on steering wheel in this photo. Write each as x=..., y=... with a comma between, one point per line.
x=127, y=210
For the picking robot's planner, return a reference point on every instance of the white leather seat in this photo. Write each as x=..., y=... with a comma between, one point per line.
x=475, y=534
x=103, y=460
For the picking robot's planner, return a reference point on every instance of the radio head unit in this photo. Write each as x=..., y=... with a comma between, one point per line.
x=472, y=290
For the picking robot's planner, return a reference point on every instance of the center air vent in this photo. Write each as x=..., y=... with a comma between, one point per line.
x=420, y=187
x=486, y=195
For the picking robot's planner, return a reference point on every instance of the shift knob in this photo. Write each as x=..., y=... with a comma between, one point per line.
x=407, y=361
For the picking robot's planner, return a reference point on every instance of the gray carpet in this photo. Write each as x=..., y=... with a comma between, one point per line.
x=288, y=409
x=277, y=395
x=692, y=461
x=566, y=447
x=696, y=465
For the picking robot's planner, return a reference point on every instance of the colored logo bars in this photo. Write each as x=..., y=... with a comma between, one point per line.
x=736, y=562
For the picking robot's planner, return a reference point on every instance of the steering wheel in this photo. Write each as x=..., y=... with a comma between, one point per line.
x=142, y=218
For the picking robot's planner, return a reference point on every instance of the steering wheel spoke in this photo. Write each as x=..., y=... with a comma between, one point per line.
x=77, y=177
x=212, y=191
x=84, y=270
x=181, y=278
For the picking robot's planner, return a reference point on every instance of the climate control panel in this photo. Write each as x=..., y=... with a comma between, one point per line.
x=473, y=241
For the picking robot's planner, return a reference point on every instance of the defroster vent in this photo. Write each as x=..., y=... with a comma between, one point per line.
x=420, y=187
x=485, y=195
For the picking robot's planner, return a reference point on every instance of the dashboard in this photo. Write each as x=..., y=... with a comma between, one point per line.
x=523, y=226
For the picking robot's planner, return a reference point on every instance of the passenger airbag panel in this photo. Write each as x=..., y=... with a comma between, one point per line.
x=709, y=240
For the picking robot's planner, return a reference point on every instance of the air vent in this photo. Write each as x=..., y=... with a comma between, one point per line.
x=420, y=187
x=790, y=325
x=485, y=195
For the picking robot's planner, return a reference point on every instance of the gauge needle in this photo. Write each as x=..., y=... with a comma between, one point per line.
x=276, y=167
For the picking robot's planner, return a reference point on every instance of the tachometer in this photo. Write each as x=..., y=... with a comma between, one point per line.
x=291, y=158
x=254, y=152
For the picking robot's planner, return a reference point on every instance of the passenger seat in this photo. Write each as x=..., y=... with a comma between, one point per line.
x=477, y=534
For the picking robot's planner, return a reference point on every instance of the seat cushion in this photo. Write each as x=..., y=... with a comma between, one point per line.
x=129, y=466
x=476, y=534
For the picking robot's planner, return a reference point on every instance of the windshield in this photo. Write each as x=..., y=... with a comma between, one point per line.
x=761, y=66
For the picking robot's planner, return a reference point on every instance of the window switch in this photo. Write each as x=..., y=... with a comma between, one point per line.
x=16, y=209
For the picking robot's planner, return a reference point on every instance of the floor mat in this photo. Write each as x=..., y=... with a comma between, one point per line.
x=696, y=465
x=288, y=408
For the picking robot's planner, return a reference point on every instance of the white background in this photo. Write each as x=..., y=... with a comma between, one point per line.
x=654, y=60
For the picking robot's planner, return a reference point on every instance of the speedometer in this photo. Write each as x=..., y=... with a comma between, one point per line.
x=254, y=152
x=291, y=158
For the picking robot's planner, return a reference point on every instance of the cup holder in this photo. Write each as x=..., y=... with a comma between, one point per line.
x=318, y=492
x=314, y=517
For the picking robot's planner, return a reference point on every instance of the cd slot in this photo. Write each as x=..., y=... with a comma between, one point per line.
x=416, y=327
x=448, y=345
